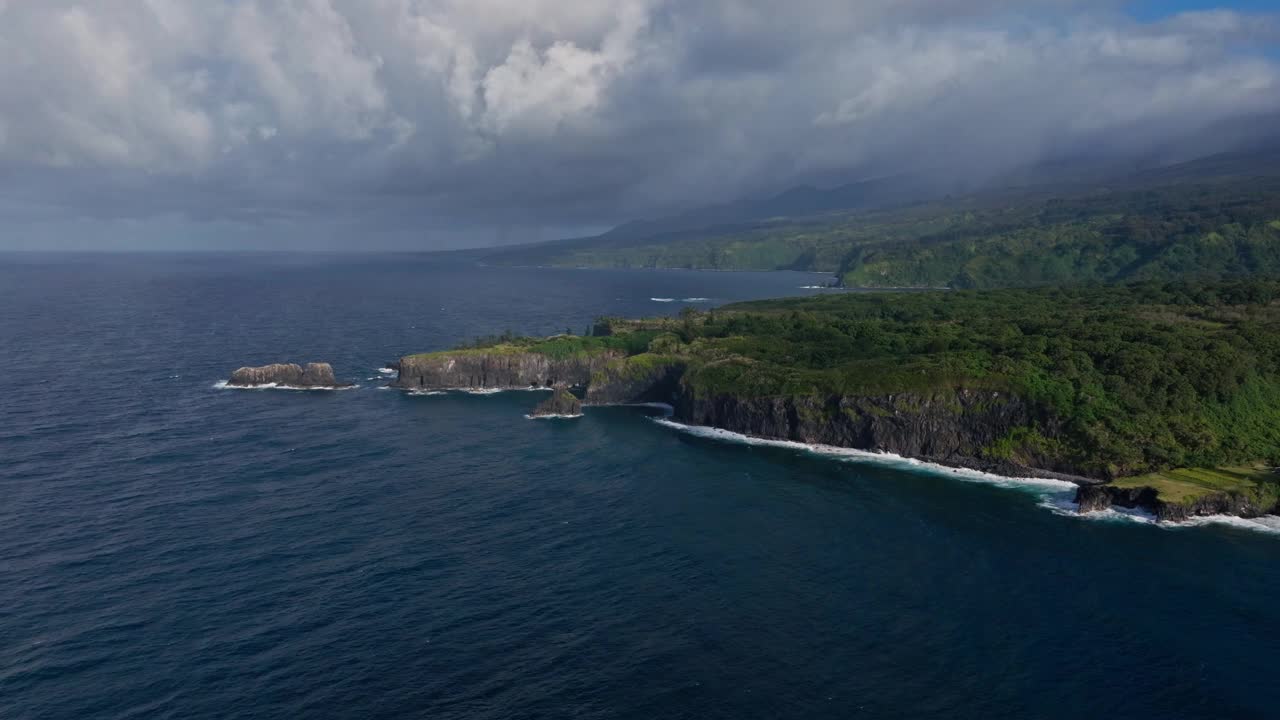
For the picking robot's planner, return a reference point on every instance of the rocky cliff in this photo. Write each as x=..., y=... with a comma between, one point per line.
x=983, y=429
x=497, y=370
x=639, y=379
x=1101, y=497
x=314, y=375
x=954, y=427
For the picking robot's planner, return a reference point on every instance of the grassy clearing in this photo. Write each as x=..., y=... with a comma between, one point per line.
x=1189, y=484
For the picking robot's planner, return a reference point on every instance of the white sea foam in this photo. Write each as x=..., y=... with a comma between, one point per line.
x=553, y=417
x=695, y=300
x=224, y=385
x=1058, y=496
x=816, y=287
x=662, y=299
x=471, y=391
x=664, y=407
x=1066, y=506
x=1038, y=485
x=1269, y=524
x=388, y=371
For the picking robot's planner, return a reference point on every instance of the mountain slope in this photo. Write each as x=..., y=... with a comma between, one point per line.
x=1214, y=216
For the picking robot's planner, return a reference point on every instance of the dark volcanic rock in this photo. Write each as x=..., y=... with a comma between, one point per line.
x=956, y=427
x=950, y=427
x=314, y=375
x=1102, y=497
x=499, y=370
x=562, y=403
x=627, y=381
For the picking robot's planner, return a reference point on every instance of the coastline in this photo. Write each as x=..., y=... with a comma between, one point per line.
x=1057, y=496
x=1056, y=492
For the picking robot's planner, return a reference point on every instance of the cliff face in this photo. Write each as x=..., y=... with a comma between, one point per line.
x=314, y=375
x=952, y=427
x=499, y=370
x=1102, y=497
x=629, y=380
x=988, y=430
x=957, y=427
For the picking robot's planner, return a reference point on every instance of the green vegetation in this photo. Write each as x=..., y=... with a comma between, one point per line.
x=1214, y=230
x=1185, y=486
x=1124, y=380
x=558, y=347
x=1204, y=229
x=1140, y=320
x=1133, y=379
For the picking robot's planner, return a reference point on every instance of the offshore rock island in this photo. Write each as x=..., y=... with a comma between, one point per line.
x=1159, y=396
x=561, y=404
x=315, y=376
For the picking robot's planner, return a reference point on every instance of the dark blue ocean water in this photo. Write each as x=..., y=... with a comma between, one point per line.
x=171, y=550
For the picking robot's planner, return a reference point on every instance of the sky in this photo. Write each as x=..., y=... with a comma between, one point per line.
x=429, y=124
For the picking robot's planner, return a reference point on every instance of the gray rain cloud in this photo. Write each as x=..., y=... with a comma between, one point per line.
x=429, y=123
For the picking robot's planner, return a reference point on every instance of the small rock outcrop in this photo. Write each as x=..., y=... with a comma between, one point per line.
x=314, y=375
x=562, y=403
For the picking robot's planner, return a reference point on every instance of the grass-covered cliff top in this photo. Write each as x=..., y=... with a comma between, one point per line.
x=556, y=347
x=1185, y=486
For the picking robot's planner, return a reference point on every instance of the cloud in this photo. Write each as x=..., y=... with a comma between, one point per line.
x=493, y=114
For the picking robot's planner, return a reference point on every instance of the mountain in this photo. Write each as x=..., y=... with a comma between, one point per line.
x=1217, y=215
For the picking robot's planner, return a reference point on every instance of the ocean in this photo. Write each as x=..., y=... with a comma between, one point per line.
x=170, y=549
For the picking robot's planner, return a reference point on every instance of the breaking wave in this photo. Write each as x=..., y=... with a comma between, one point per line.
x=1038, y=485
x=225, y=385
x=662, y=299
x=473, y=391
x=552, y=417
x=1269, y=524
x=1057, y=496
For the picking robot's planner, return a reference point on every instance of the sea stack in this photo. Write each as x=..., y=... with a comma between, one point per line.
x=291, y=375
x=561, y=404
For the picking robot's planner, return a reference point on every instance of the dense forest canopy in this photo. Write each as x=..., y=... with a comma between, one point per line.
x=1140, y=314
x=1160, y=228
x=1138, y=378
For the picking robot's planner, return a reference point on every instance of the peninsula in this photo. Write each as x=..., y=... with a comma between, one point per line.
x=1164, y=396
